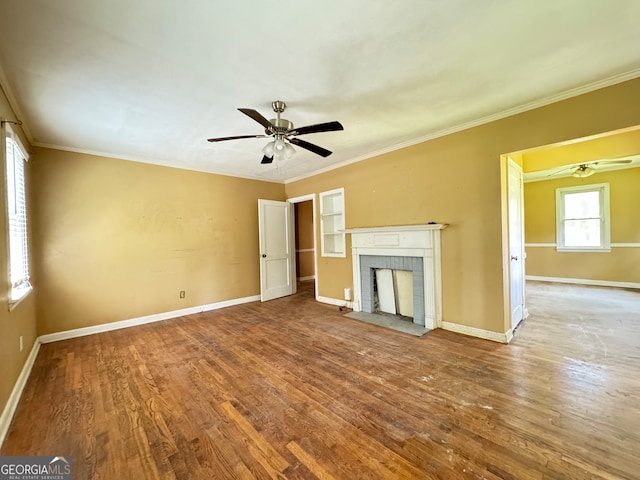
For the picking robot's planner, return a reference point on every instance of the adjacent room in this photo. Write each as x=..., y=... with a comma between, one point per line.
x=332, y=240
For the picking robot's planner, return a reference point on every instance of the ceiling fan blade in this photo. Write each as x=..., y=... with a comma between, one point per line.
x=250, y=112
x=613, y=162
x=222, y=139
x=558, y=172
x=320, y=127
x=266, y=159
x=323, y=152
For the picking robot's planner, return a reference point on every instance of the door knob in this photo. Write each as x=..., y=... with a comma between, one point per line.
x=264, y=255
x=514, y=257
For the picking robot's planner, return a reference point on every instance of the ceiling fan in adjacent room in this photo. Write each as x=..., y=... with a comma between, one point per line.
x=284, y=134
x=585, y=170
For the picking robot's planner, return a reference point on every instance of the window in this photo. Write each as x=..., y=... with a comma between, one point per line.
x=582, y=216
x=332, y=223
x=16, y=219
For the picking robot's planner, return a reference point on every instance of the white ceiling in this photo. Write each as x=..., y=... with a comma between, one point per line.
x=151, y=80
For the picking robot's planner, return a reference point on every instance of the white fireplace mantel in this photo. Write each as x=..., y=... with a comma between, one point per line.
x=404, y=241
x=398, y=228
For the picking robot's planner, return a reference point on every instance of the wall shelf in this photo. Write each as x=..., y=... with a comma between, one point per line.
x=332, y=236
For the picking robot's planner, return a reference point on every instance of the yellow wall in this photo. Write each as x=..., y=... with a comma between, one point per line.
x=117, y=240
x=21, y=321
x=305, y=263
x=456, y=180
x=620, y=265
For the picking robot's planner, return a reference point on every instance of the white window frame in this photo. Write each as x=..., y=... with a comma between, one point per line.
x=605, y=218
x=15, y=156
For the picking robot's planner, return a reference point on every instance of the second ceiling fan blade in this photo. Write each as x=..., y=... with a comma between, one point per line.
x=319, y=127
x=250, y=112
x=323, y=152
x=613, y=162
x=237, y=137
x=266, y=159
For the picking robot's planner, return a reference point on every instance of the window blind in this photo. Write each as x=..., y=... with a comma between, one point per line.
x=17, y=219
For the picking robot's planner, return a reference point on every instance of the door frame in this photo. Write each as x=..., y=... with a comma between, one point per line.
x=305, y=198
x=506, y=247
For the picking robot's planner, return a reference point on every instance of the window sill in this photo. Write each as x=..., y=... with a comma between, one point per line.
x=584, y=250
x=24, y=293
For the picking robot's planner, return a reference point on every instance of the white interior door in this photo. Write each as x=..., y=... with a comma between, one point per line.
x=277, y=249
x=516, y=242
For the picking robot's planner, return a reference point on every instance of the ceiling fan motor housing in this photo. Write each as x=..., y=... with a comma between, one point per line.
x=280, y=126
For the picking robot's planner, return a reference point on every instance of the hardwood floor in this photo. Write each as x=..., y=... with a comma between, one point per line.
x=292, y=389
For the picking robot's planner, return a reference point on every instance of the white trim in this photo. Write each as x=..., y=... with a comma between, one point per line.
x=509, y=334
x=302, y=198
x=16, y=393
x=303, y=279
x=398, y=228
x=553, y=245
x=156, y=317
x=334, y=301
x=148, y=161
x=584, y=249
x=339, y=215
x=584, y=281
x=478, y=332
x=575, y=92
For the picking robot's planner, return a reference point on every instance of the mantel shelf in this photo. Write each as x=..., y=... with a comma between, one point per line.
x=398, y=228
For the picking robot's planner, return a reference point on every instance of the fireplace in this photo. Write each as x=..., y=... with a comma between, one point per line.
x=414, y=248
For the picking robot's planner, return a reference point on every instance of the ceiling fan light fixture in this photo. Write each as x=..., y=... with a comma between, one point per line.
x=279, y=149
x=269, y=149
x=279, y=144
x=583, y=171
x=288, y=151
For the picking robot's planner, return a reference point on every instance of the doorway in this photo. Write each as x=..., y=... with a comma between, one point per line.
x=611, y=158
x=305, y=240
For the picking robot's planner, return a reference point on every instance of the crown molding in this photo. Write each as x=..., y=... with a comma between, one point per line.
x=558, y=97
x=149, y=162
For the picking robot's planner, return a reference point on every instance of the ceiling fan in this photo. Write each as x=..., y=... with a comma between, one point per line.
x=283, y=134
x=585, y=170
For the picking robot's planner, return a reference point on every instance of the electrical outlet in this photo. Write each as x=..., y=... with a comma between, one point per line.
x=21, y=343
x=181, y=293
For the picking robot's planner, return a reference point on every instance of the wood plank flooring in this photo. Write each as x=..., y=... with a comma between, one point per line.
x=292, y=389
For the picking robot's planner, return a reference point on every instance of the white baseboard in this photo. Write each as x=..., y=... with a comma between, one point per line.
x=16, y=393
x=508, y=336
x=334, y=301
x=304, y=279
x=584, y=281
x=157, y=317
x=478, y=332
x=554, y=245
